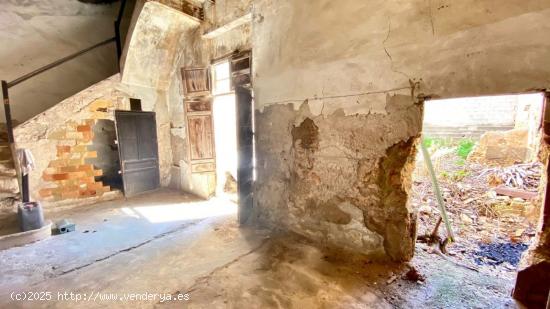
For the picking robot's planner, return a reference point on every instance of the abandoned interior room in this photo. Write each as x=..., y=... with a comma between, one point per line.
x=275, y=154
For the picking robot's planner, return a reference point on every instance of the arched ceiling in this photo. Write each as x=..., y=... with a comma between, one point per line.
x=152, y=52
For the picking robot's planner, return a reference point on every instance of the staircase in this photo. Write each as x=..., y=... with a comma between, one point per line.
x=9, y=187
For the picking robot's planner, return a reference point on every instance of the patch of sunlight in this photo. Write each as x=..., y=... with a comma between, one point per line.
x=186, y=211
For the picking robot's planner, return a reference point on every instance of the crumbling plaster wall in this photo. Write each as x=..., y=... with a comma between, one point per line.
x=221, y=14
x=336, y=87
x=197, y=51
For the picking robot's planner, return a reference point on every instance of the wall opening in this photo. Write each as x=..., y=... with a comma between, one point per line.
x=104, y=143
x=485, y=153
x=225, y=130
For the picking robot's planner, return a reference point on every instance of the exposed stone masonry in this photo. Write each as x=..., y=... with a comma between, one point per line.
x=70, y=174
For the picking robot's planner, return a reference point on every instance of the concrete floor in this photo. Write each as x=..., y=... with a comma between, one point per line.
x=170, y=245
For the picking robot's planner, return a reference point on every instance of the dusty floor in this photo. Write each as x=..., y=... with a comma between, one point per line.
x=167, y=243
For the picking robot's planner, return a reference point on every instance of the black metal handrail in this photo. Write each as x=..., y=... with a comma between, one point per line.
x=6, y=85
x=58, y=62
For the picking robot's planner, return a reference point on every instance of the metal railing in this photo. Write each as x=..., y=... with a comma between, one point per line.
x=6, y=85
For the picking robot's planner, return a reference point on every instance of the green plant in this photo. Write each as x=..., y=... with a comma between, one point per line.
x=464, y=148
x=436, y=142
x=459, y=175
x=460, y=162
x=444, y=175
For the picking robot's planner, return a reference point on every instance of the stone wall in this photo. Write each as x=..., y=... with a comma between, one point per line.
x=62, y=142
x=356, y=69
x=70, y=175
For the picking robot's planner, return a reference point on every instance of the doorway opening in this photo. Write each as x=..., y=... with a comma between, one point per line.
x=107, y=160
x=485, y=157
x=225, y=131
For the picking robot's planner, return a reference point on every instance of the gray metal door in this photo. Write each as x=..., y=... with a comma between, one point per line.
x=138, y=149
x=245, y=147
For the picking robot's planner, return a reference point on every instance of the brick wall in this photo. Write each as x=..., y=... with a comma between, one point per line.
x=70, y=175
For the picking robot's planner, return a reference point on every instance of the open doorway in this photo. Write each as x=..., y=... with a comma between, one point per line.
x=104, y=142
x=484, y=152
x=225, y=130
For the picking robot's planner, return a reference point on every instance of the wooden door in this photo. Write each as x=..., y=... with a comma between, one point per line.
x=138, y=150
x=245, y=148
x=201, y=154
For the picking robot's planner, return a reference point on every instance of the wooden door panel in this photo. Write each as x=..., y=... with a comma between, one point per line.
x=245, y=136
x=138, y=150
x=201, y=137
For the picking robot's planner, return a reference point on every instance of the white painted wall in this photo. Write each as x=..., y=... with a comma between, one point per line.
x=476, y=111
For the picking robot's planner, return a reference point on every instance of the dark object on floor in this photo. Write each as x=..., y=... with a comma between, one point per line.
x=30, y=216
x=64, y=226
x=498, y=253
x=414, y=275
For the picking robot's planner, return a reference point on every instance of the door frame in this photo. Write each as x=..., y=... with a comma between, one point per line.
x=121, y=158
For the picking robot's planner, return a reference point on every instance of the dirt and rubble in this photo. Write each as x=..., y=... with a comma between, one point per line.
x=492, y=226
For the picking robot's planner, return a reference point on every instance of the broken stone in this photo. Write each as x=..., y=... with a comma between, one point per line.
x=414, y=275
x=466, y=219
x=425, y=209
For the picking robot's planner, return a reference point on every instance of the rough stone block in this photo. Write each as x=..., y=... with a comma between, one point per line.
x=100, y=105
x=73, y=135
x=80, y=148
x=60, y=163
x=90, y=154
x=57, y=135
x=69, y=194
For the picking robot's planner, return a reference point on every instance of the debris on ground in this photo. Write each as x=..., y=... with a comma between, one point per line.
x=493, y=210
x=498, y=253
x=414, y=275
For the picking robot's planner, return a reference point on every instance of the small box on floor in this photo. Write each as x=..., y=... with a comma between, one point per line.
x=64, y=226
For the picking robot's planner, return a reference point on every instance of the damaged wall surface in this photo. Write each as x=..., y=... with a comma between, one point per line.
x=336, y=103
x=195, y=50
x=65, y=152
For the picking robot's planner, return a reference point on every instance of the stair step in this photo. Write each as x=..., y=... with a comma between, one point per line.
x=9, y=185
x=12, y=196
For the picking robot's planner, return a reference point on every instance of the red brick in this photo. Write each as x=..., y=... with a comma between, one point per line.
x=95, y=185
x=63, y=149
x=84, y=128
x=45, y=193
x=87, y=136
x=67, y=194
x=87, y=180
x=68, y=169
x=76, y=175
x=47, y=177
x=86, y=167
x=61, y=176
x=87, y=192
x=91, y=154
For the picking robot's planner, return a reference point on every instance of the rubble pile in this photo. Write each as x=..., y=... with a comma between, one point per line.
x=483, y=218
